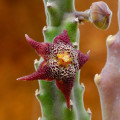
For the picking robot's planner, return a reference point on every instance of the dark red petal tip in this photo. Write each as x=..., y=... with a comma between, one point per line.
x=32, y=42
x=83, y=58
x=63, y=38
x=33, y=76
x=43, y=72
x=41, y=48
x=66, y=86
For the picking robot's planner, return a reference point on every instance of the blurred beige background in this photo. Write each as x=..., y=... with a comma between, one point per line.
x=17, y=17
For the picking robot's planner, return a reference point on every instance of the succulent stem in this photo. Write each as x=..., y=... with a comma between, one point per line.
x=108, y=82
x=61, y=15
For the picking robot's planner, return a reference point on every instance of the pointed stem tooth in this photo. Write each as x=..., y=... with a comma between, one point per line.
x=49, y=4
x=36, y=62
x=76, y=20
x=39, y=118
x=110, y=39
x=82, y=85
x=71, y=104
x=45, y=29
x=75, y=44
x=37, y=92
x=97, y=79
x=89, y=111
x=88, y=52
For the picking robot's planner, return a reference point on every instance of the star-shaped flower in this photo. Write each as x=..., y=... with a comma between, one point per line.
x=61, y=62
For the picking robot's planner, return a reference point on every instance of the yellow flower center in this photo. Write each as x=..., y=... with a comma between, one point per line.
x=64, y=59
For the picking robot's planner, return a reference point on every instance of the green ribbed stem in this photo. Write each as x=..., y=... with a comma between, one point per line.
x=60, y=16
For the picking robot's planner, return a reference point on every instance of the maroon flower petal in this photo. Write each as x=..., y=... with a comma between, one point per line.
x=66, y=86
x=41, y=48
x=63, y=38
x=52, y=68
x=43, y=72
x=82, y=59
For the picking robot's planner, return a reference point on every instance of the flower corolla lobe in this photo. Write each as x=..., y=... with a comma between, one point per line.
x=61, y=62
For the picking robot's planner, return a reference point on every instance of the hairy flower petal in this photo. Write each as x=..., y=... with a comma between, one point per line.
x=41, y=48
x=82, y=58
x=66, y=86
x=61, y=62
x=62, y=38
x=43, y=72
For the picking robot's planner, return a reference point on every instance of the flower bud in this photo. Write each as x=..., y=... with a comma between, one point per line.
x=100, y=15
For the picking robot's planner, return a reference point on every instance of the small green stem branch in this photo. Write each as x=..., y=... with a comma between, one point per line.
x=83, y=16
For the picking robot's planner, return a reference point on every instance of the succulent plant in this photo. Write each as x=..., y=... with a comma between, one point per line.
x=61, y=60
x=108, y=81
